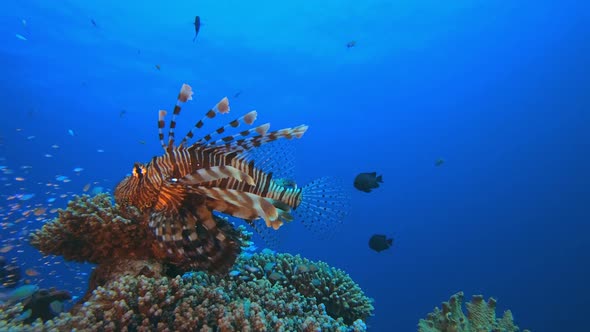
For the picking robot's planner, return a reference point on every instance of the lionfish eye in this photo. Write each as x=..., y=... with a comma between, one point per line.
x=138, y=171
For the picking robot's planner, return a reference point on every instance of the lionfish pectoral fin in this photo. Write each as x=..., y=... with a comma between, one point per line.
x=196, y=238
x=215, y=173
x=243, y=205
x=324, y=205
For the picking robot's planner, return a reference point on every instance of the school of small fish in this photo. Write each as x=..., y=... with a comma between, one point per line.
x=30, y=198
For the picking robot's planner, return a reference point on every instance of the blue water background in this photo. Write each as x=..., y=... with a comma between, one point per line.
x=499, y=90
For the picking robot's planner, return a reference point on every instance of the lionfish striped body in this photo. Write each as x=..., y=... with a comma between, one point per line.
x=181, y=188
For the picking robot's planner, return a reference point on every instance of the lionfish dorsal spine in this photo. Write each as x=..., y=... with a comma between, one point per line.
x=185, y=94
x=260, y=130
x=247, y=119
x=241, y=146
x=222, y=107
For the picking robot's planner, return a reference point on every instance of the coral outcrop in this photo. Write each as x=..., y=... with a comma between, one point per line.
x=94, y=230
x=136, y=288
x=481, y=316
x=250, y=298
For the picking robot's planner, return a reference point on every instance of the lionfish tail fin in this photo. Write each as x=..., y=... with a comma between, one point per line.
x=222, y=107
x=185, y=94
x=324, y=206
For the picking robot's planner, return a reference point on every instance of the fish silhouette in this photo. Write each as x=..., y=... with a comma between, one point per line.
x=367, y=181
x=380, y=242
x=197, y=27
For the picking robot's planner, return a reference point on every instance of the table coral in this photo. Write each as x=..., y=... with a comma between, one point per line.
x=481, y=316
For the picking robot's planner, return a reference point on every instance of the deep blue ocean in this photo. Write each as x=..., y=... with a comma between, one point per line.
x=499, y=90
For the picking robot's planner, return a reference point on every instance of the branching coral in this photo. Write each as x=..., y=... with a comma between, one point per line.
x=481, y=316
x=94, y=230
x=330, y=286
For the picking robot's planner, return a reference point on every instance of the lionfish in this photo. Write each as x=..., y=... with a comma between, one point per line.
x=181, y=189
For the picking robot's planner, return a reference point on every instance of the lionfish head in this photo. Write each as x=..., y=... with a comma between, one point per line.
x=128, y=190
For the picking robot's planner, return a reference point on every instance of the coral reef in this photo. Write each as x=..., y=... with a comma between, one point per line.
x=330, y=286
x=481, y=316
x=94, y=230
x=44, y=304
x=245, y=300
x=135, y=287
x=118, y=239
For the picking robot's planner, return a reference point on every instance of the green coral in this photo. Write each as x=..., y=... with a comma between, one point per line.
x=481, y=316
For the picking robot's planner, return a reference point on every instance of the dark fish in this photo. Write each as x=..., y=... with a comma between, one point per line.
x=93, y=23
x=197, y=27
x=122, y=113
x=237, y=94
x=367, y=181
x=380, y=242
x=350, y=44
x=439, y=162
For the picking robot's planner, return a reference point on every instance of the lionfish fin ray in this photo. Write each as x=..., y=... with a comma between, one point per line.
x=244, y=145
x=215, y=173
x=243, y=205
x=324, y=205
x=196, y=238
x=246, y=119
x=185, y=94
x=277, y=157
x=222, y=107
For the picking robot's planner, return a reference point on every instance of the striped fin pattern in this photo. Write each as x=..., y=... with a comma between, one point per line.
x=196, y=238
x=250, y=143
x=223, y=172
x=185, y=94
x=246, y=119
x=260, y=130
x=161, y=124
x=222, y=107
x=215, y=173
x=247, y=206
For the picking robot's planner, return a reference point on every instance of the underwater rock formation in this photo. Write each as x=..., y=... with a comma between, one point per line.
x=481, y=316
x=135, y=287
